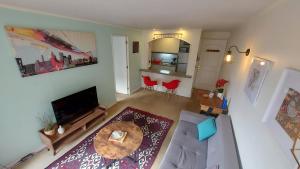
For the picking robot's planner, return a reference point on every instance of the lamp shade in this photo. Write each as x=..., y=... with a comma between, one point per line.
x=228, y=57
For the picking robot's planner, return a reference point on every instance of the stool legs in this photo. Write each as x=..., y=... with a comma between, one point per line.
x=151, y=88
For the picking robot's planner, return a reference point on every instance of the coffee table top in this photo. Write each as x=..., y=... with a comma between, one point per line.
x=116, y=150
x=212, y=102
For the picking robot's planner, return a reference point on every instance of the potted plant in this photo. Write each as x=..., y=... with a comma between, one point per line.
x=220, y=84
x=48, y=125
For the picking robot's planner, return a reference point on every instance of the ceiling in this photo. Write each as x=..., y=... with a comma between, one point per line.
x=206, y=14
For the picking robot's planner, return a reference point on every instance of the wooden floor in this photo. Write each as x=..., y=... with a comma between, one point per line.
x=150, y=101
x=120, y=96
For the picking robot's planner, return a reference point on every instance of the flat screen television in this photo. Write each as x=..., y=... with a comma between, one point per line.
x=71, y=107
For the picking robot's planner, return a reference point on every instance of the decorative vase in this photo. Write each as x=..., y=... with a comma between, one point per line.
x=220, y=95
x=60, y=130
x=49, y=132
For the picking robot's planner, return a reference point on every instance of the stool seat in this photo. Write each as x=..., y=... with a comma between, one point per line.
x=172, y=85
x=148, y=82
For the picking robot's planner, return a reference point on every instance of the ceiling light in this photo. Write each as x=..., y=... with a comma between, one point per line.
x=228, y=58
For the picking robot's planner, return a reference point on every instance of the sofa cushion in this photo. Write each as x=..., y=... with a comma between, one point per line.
x=185, y=151
x=213, y=167
x=206, y=129
x=186, y=130
x=192, y=117
x=221, y=146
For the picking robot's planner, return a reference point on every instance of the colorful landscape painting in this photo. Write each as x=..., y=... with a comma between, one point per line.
x=39, y=51
x=288, y=115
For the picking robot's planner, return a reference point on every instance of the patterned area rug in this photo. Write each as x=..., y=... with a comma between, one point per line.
x=84, y=156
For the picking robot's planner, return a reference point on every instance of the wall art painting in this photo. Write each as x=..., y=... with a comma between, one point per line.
x=39, y=51
x=257, y=73
x=283, y=113
x=288, y=115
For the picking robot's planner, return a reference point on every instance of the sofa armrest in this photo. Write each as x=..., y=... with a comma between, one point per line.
x=192, y=117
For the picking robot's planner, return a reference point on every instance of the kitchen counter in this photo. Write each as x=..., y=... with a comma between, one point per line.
x=177, y=74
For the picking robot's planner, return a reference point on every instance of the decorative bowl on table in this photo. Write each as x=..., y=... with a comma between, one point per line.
x=49, y=132
x=118, y=136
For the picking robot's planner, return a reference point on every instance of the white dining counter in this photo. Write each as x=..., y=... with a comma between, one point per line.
x=185, y=86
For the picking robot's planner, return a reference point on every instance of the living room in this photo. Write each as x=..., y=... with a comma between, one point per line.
x=241, y=53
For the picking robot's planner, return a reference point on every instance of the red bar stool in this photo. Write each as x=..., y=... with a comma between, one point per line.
x=171, y=86
x=149, y=83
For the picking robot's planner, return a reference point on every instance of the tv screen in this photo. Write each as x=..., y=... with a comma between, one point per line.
x=73, y=106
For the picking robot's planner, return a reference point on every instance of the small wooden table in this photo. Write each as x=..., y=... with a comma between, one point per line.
x=206, y=103
x=115, y=150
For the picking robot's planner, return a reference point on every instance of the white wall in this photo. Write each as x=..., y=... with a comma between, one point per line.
x=191, y=36
x=167, y=45
x=215, y=35
x=274, y=34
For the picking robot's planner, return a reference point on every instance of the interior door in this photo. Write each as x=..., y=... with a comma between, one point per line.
x=209, y=62
x=119, y=47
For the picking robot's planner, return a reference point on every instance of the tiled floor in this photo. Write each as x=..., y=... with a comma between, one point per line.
x=150, y=101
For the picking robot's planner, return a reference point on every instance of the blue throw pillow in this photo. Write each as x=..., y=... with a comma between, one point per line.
x=206, y=129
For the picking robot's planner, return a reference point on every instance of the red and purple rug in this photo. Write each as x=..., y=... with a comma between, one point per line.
x=84, y=156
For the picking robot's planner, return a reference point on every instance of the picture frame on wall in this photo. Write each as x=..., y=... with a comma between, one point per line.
x=39, y=51
x=135, y=46
x=257, y=73
x=282, y=116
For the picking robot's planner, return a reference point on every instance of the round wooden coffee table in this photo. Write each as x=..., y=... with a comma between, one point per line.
x=115, y=150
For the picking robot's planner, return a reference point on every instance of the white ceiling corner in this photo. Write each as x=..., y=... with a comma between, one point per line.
x=146, y=14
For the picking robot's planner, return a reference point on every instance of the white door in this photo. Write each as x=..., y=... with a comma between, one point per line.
x=119, y=51
x=209, y=62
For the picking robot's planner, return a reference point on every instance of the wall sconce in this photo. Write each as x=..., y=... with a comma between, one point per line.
x=296, y=151
x=228, y=57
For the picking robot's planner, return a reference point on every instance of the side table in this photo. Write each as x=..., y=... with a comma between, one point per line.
x=210, y=105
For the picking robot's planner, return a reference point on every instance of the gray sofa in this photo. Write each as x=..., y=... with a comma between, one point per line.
x=185, y=151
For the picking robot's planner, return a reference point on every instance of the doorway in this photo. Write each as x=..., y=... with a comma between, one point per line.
x=209, y=62
x=121, y=66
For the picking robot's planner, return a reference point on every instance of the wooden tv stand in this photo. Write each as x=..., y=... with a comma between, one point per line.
x=72, y=129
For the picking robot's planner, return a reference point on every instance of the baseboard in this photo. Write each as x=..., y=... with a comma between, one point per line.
x=109, y=105
x=135, y=90
x=16, y=162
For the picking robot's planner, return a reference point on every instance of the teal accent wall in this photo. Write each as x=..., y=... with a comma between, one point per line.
x=22, y=100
